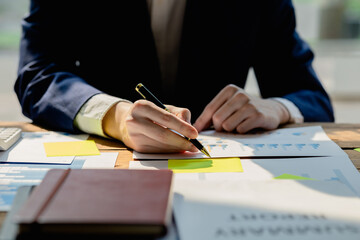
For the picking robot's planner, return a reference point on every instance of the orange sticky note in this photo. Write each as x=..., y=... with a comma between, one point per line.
x=73, y=148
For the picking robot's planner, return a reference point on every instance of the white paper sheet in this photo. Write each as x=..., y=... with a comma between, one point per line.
x=106, y=160
x=30, y=148
x=284, y=209
x=319, y=168
x=287, y=142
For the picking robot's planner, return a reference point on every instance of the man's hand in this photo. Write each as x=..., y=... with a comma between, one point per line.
x=145, y=127
x=234, y=110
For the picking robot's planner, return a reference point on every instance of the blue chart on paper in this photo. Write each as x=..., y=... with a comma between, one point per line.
x=338, y=176
x=14, y=175
x=298, y=147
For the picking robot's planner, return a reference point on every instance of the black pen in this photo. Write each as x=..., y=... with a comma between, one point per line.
x=146, y=94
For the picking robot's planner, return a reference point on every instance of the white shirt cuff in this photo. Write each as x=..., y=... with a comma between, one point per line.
x=295, y=114
x=89, y=118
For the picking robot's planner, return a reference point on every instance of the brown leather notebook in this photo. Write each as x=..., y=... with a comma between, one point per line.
x=97, y=202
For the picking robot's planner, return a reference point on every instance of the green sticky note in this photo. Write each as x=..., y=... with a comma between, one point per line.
x=73, y=148
x=357, y=149
x=293, y=177
x=207, y=165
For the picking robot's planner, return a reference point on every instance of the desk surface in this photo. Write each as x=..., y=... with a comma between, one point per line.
x=347, y=136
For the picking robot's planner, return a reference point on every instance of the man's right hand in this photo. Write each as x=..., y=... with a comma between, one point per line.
x=145, y=127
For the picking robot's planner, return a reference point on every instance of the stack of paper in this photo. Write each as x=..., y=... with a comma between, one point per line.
x=287, y=142
x=30, y=149
x=294, y=183
x=27, y=162
x=284, y=209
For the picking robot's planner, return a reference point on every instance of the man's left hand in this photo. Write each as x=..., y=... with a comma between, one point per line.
x=233, y=109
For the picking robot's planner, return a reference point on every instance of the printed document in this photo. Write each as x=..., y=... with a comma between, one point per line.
x=286, y=142
x=285, y=209
x=30, y=148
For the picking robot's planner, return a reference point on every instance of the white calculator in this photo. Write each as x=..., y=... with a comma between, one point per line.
x=8, y=136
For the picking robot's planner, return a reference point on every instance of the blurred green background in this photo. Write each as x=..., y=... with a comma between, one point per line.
x=11, y=13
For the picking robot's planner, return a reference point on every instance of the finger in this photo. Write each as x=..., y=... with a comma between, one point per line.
x=146, y=109
x=149, y=145
x=205, y=119
x=236, y=104
x=182, y=113
x=234, y=120
x=202, y=123
x=238, y=117
x=161, y=137
x=248, y=124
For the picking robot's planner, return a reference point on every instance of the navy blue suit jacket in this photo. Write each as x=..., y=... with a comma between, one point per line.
x=73, y=49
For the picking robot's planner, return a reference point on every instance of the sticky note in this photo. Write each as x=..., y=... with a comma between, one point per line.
x=72, y=148
x=294, y=177
x=357, y=149
x=207, y=165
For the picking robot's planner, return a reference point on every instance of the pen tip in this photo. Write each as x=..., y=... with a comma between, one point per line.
x=205, y=152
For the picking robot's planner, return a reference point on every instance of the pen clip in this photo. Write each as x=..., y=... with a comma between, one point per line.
x=137, y=88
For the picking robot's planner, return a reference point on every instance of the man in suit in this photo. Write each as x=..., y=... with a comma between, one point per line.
x=80, y=62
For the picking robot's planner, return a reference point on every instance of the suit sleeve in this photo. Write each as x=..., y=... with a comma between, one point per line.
x=50, y=93
x=283, y=64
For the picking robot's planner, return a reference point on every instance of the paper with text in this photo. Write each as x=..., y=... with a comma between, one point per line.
x=284, y=209
x=320, y=168
x=14, y=175
x=286, y=142
x=30, y=148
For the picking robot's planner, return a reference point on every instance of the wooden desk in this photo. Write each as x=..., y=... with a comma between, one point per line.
x=347, y=136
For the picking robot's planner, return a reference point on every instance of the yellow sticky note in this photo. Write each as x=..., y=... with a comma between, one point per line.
x=207, y=165
x=73, y=148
